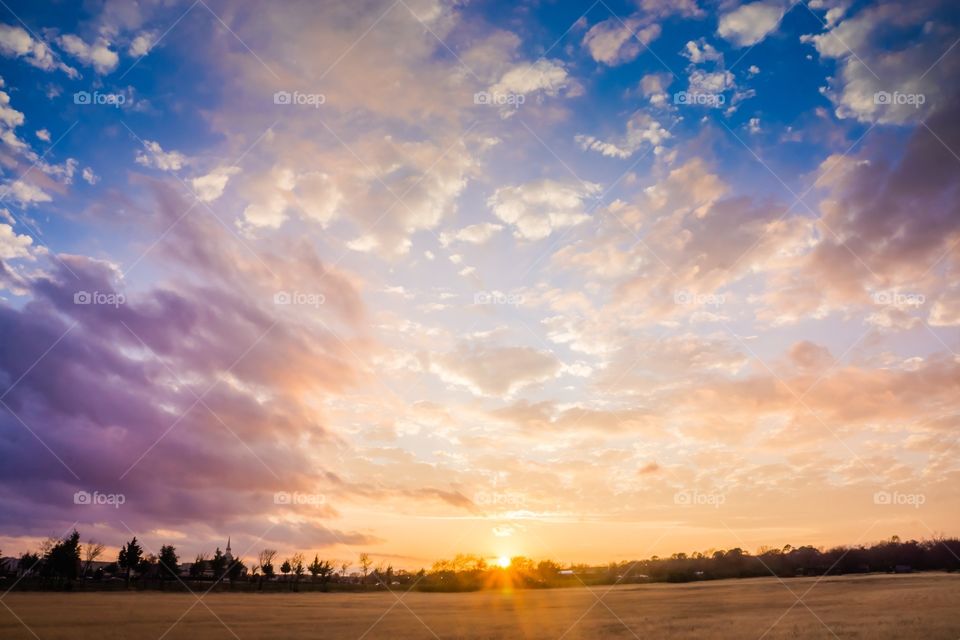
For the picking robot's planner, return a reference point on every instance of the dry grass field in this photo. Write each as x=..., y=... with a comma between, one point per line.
x=909, y=606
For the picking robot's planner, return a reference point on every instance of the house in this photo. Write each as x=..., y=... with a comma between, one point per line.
x=9, y=565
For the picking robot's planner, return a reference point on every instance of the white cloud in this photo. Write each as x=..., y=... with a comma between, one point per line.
x=615, y=41
x=157, y=158
x=710, y=82
x=641, y=129
x=26, y=193
x=13, y=245
x=98, y=55
x=209, y=187
x=536, y=209
x=700, y=51
x=665, y=8
x=17, y=43
x=548, y=76
x=8, y=115
x=913, y=79
x=748, y=24
x=89, y=176
x=495, y=371
x=142, y=43
x=43, y=134
x=945, y=311
x=654, y=86
x=318, y=197
x=473, y=234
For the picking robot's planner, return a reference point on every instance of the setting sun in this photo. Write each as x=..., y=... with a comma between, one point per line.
x=503, y=562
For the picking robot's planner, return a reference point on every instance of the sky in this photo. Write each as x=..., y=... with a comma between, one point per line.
x=579, y=281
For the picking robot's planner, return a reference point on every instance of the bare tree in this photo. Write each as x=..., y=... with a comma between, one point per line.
x=296, y=565
x=365, y=563
x=91, y=552
x=265, y=562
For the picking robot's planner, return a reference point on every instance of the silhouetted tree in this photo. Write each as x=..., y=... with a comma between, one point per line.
x=29, y=562
x=265, y=562
x=169, y=562
x=235, y=570
x=199, y=566
x=218, y=563
x=130, y=556
x=322, y=569
x=63, y=558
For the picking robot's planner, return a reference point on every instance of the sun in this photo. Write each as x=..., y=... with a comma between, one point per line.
x=503, y=562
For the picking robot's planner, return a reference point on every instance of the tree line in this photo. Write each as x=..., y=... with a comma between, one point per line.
x=61, y=563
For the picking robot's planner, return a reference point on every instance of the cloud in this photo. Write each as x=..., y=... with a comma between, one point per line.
x=704, y=82
x=547, y=76
x=478, y=233
x=890, y=221
x=170, y=344
x=98, y=55
x=17, y=43
x=495, y=371
x=27, y=193
x=750, y=23
x=155, y=157
x=700, y=51
x=142, y=43
x=654, y=86
x=9, y=116
x=536, y=209
x=666, y=8
x=12, y=244
x=540, y=417
x=881, y=80
x=615, y=41
x=945, y=311
x=89, y=176
x=642, y=130
x=209, y=187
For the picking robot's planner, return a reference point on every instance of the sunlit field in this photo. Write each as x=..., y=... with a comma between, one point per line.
x=881, y=606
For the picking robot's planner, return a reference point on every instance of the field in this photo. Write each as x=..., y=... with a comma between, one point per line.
x=908, y=606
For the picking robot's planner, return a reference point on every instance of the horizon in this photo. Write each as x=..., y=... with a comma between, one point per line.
x=248, y=560
x=586, y=282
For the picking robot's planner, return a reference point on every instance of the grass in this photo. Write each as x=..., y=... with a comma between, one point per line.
x=874, y=606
